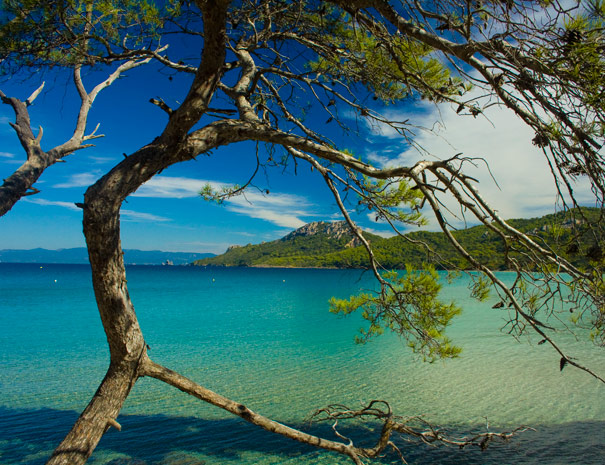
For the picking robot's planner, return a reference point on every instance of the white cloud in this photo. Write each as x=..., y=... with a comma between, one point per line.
x=54, y=203
x=337, y=216
x=211, y=247
x=101, y=160
x=381, y=233
x=372, y=217
x=9, y=158
x=382, y=129
x=243, y=233
x=525, y=186
x=283, y=210
x=127, y=215
x=276, y=217
x=167, y=187
x=130, y=215
x=378, y=159
x=80, y=180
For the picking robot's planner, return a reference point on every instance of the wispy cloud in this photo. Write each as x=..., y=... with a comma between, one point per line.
x=374, y=219
x=243, y=234
x=4, y=125
x=101, y=160
x=80, y=180
x=10, y=158
x=212, y=247
x=53, y=203
x=337, y=216
x=276, y=217
x=134, y=216
x=285, y=210
x=381, y=233
x=167, y=187
x=377, y=128
x=127, y=215
x=378, y=159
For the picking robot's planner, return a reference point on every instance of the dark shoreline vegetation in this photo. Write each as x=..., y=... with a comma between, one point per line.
x=322, y=245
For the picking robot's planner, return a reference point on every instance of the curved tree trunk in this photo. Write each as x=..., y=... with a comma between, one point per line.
x=101, y=222
x=126, y=344
x=99, y=415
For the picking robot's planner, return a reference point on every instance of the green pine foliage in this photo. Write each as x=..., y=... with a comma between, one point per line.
x=390, y=70
x=409, y=306
x=36, y=33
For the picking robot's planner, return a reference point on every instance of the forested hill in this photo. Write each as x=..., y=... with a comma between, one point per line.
x=304, y=247
x=325, y=244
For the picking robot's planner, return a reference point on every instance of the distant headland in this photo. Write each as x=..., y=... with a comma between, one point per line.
x=332, y=245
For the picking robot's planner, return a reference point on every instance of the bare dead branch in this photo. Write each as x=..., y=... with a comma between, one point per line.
x=160, y=103
x=32, y=97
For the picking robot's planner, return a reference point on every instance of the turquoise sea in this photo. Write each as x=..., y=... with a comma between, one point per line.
x=264, y=337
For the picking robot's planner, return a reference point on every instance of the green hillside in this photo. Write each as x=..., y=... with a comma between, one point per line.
x=304, y=247
x=333, y=245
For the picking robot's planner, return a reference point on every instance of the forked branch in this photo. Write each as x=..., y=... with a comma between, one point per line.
x=20, y=183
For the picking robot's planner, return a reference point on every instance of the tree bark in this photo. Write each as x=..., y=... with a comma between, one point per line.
x=101, y=222
x=172, y=378
x=17, y=184
x=126, y=343
x=99, y=415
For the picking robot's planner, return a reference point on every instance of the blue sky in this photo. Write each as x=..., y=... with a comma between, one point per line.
x=168, y=214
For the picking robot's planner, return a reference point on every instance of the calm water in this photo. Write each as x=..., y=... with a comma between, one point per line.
x=265, y=338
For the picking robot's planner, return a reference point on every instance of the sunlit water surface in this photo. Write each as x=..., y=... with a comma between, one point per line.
x=264, y=337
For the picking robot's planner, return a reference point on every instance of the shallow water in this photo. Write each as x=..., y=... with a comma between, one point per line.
x=265, y=337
